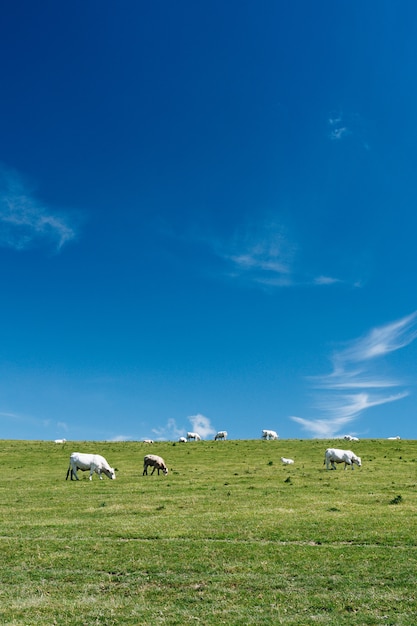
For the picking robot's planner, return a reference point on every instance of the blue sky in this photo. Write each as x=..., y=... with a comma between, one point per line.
x=208, y=219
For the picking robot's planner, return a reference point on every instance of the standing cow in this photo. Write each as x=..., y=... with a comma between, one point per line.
x=269, y=434
x=334, y=455
x=155, y=461
x=193, y=436
x=222, y=434
x=93, y=462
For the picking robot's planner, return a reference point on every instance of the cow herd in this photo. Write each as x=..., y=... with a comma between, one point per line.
x=95, y=463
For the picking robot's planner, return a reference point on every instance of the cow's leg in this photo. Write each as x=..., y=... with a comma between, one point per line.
x=154, y=468
x=68, y=473
x=145, y=470
x=333, y=465
x=74, y=473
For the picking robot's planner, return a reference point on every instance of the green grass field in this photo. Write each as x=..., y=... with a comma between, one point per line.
x=230, y=536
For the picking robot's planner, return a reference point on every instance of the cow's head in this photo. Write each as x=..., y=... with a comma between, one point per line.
x=357, y=460
x=110, y=473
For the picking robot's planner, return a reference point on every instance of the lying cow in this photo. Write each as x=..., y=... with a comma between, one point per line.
x=334, y=455
x=155, y=461
x=350, y=438
x=93, y=462
x=286, y=461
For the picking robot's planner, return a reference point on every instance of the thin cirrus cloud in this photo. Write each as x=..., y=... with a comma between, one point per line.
x=341, y=126
x=265, y=255
x=262, y=255
x=353, y=386
x=25, y=222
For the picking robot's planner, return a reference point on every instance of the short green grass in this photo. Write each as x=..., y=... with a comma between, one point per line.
x=230, y=536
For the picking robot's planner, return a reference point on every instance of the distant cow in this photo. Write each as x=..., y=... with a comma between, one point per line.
x=157, y=462
x=397, y=438
x=148, y=441
x=93, y=462
x=350, y=438
x=182, y=440
x=334, y=455
x=222, y=434
x=194, y=436
x=269, y=434
x=286, y=461
x=60, y=440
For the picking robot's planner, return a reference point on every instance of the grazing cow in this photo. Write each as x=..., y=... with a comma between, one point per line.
x=334, y=455
x=194, y=436
x=269, y=434
x=287, y=461
x=397, y=438
x=157, y=462
x=60, y=440
x=222, y=434
x=93, y=462
x=148, y=441
x=182, y=440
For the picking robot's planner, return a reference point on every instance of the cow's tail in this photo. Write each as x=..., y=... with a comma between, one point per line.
x=68, y=472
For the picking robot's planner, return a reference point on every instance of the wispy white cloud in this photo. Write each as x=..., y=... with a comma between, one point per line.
x=10, y=415
x=26, y=222
x=352, y=386
x=379, y=342
x=343, y=125
x=322, y=428
x=325, y=280
x=264, y=254
x=201, y=425
x=168, y=431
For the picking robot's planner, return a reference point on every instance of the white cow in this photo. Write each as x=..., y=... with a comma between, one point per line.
x=269, y=434
x=93, y=462
x=60, y=440
x=194, y=436
x=334, y=455
x=182, y=440
x=350, y=438
x=287, y=461
x=148, y=441
x=155, y=461
x=222, y=434
x=397, y=438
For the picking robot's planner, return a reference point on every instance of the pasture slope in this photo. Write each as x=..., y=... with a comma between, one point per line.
x=230, y=536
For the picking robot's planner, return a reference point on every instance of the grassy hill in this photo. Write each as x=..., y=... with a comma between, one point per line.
x=230, y=536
